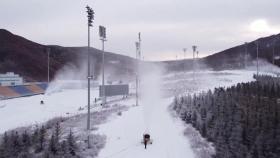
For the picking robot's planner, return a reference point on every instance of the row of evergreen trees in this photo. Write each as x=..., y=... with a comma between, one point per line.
x=38, y=144
x=242, y=121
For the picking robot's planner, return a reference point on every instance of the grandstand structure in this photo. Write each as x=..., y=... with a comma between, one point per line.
x=10, y=79
x=8, y=92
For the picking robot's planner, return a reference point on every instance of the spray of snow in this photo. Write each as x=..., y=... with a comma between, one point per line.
x=69, y=77
x=150, y=94
x=264, y=67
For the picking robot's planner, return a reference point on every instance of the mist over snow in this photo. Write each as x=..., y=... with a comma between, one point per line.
x=150, y=90
x=70, y=77
x=264, y=67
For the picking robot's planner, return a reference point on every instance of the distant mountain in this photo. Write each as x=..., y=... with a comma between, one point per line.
x=29, y=59
x=234, y=58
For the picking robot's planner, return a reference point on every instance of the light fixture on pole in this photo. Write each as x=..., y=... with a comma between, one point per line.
x=102, y=35
x=90, y=15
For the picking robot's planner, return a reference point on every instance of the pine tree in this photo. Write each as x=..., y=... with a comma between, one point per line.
x=5, y=146
x=72, y=147
x=41, y=139
x=53, y=146
x=35, y=136
x=15, y=146
x=63, y=148
x=26, y=141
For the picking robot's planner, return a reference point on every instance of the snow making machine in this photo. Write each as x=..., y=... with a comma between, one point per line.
x=147, y=139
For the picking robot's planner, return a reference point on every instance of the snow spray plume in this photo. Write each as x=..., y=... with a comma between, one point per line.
x=150, y=94
x=265, y=67
x=70, y=77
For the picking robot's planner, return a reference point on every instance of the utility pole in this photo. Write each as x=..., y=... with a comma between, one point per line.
x=194, y=50
x=197, y=65
x=185, y=51
x=139, y=38
x=48, y=51
x=102, y=34
x=90, y=15
x=137, y=72
x=138, y=57
x=245, y=55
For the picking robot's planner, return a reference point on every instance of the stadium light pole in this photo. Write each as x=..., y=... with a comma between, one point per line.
x=102, y=34
x=194, y=50
x=136, y=66
x=90, y=15
x=185, y=51
x=138, y=57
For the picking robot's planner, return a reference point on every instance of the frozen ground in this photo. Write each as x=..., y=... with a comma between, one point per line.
x=124, y=133
x=28, y=110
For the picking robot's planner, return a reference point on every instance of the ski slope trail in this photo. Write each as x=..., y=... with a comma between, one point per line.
x=124, y=135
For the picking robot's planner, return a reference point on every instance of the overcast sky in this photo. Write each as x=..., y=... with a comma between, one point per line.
x=167, y=26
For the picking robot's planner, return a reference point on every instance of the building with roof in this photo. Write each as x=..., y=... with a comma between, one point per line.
x=10, y=79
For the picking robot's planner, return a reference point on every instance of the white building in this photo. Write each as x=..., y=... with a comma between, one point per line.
x=10, y=79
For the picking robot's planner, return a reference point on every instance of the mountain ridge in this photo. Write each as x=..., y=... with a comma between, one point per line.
x=29, y=59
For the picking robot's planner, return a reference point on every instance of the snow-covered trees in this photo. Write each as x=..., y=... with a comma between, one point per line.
x=242, y=121
x=38, y=144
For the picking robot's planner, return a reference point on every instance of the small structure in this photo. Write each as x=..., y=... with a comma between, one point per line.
x=10, y=79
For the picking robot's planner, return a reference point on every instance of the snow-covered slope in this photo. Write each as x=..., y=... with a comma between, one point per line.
x=28, y=110
x=124, y=134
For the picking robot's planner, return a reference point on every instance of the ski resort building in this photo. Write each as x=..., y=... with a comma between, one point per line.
x=12, y=86
x=10, y=79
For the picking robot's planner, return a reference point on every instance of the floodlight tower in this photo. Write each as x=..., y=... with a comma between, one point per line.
x=137, y=72
x=185, y=51
x=102, y=34
x=90, y=15
x=194, y=50
x=138, y=57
